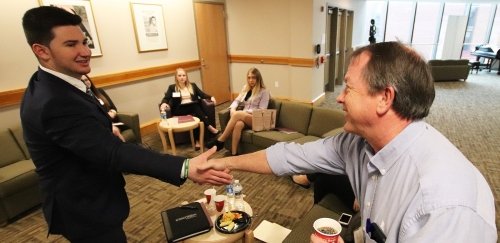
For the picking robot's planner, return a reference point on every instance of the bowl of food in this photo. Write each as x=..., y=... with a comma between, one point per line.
x=232, y=222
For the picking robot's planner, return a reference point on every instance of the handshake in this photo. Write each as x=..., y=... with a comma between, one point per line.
x=204, y=171
x=216, y=171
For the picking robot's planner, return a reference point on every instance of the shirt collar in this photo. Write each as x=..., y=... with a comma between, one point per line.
x=384, y=159
x=73, y=81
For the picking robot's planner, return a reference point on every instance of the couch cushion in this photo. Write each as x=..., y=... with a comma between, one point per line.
x=324, y=120
x=129, y=135
x=17, y=132
x=274, y=104
x=448, y=62
x=305, y=139
x=10, y=152
x=265, y=139
x=247, y=135
x=295, y=116
x=16, y=177
x=333, y=132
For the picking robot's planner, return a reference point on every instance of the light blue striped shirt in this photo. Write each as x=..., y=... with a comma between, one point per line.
x=418, y=188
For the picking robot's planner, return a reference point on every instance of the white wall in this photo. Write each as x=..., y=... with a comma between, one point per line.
x=118, y=45
x=278, y=28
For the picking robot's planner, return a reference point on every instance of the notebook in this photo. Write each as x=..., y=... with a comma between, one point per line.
x=186, y=118
x=271, y=232
x=186, y=221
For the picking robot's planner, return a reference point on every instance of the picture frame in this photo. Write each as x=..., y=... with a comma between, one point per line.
x=149, y=27
x=82, y=8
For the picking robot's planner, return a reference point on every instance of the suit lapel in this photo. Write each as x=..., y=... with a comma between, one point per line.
x=42, y=75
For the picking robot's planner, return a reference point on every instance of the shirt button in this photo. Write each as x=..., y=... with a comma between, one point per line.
x=368, y=204
x=382, y=171
x=374, y=177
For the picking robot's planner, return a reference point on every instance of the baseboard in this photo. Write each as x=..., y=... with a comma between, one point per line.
x=149, y=128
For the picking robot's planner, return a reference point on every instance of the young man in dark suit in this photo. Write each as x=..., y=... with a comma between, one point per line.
x=69, y=136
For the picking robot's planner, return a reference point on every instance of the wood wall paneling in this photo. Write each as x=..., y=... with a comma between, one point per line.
x=291, y=61
x=13, y=97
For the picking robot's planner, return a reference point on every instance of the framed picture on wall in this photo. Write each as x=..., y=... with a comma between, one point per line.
x=149, y=27
x=82, y=8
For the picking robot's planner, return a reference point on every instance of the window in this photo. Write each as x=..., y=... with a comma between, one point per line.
x=400, y=21
x=422, y=24
x=449, y=9
x=495, y=30
x=377, y=12
x=477, y=28
x=426, y=28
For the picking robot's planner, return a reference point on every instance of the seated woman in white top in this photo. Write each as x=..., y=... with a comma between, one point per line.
x=254, y=95
x=183, y=98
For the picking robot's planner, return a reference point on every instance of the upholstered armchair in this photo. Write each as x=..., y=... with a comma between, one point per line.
x=133, y=132
x=208, y=106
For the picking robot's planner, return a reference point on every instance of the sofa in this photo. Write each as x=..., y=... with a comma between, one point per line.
x=307, y=121
x=449, y=70
x=19, y=184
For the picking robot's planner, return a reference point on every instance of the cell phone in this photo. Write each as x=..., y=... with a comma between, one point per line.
x=345, y=219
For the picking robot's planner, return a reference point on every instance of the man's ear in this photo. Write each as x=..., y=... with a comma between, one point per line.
x=386, y=98
x=41, y=51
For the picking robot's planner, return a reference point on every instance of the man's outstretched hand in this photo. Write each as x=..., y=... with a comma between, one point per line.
x=202, y=171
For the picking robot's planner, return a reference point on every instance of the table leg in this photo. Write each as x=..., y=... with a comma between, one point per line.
x=202, y=136
x=172, y=141
x=191, y=135
x=162, y=137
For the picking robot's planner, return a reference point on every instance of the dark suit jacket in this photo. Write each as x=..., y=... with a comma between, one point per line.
x=175, y=102
x=79, y=161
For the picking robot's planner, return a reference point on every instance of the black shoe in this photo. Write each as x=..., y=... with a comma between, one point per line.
x=215, y=142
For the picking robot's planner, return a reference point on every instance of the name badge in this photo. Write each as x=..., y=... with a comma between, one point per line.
x=176, y=94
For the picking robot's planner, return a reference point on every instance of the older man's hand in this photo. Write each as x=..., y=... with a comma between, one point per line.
x=201, y=171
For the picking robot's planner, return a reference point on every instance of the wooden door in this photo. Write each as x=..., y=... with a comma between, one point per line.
x=212, y=48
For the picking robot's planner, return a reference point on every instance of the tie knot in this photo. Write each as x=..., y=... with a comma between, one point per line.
x=89, y=92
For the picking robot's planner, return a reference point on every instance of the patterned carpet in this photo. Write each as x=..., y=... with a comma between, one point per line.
x=468, y=113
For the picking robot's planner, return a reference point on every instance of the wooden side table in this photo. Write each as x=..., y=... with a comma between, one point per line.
x=171, y=125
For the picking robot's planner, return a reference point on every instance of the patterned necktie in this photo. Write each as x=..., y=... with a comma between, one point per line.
x=89, y=92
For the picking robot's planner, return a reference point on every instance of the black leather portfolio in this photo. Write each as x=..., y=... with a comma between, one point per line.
x=186, y=221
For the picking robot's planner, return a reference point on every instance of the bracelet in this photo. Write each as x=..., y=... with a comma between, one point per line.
x=186, y=168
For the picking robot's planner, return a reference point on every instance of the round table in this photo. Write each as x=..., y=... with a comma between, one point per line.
x=171, y=125
x=216, y=236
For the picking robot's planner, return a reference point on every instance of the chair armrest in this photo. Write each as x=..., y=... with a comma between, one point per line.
x=208, y=106
x=167, y=110
x=224, y=116
x=131, y=120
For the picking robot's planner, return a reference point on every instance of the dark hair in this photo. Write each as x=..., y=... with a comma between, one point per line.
x=393, y=64
x=38, y=23
x=98, y=94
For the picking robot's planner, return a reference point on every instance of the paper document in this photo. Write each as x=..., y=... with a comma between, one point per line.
x=271, y=232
